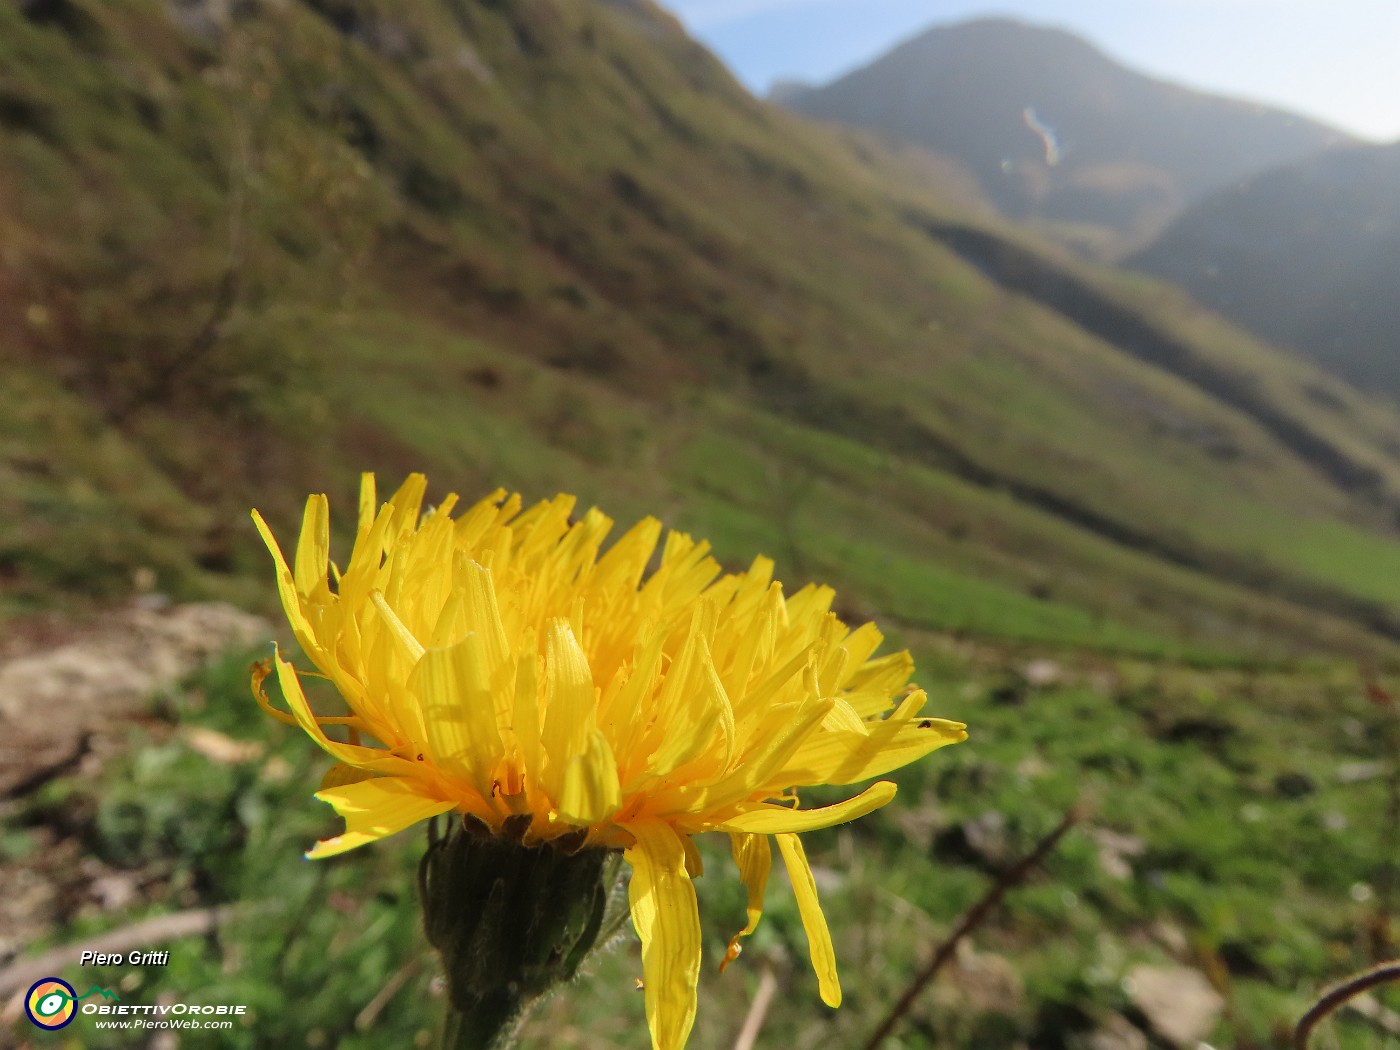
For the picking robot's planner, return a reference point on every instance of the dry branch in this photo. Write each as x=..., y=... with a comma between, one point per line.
x=973, y=918
x=1333, y=999
x=753, y=1023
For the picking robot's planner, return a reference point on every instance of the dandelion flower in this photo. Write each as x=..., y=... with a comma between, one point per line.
x=502, y=665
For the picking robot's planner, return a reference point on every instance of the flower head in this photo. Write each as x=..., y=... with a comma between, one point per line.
x=502, y=664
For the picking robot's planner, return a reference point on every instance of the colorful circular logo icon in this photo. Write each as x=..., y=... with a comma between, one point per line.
x=51, y=1003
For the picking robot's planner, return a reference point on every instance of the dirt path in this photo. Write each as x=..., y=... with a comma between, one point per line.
x=55, y=702
x=67, y=700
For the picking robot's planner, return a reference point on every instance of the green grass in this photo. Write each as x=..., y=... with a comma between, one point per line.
x=1331, y=551
x=83, y=508
x=1250, y=851
x=313, y=944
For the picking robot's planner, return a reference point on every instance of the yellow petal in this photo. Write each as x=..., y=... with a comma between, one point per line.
x=694, y=863
x=287, y=590
x=804, y=887
x=477, y=589
x=412, y=647
x=482, y=613
x=693, y=708
x=842, y=718
x=775, y=741
x=772, y=820
x=364, y=572
x=626, y=560
x=459, y=714
x=752, y=647
x=314, y=550
x=260, y=671
x=374, y=809
x=878, y=680
x=845, y=756
x=406, y=505
x=860, y=646
x=847, y=759
x=754, y=858
x=570, y=710
x=668, y=922
x=525, y=710
x=482, y=516
x=624, y=717
x=810, y=602
x=759, y=699
x=340, y=774
x=590, y=792
x=451, y=625
x=369, y=506
x=375, y=759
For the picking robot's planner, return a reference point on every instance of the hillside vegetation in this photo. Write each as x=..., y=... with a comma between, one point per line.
x=252, y=249
x=1303, y=255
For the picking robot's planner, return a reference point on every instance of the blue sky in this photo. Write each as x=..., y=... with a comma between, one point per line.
x=1338, y=60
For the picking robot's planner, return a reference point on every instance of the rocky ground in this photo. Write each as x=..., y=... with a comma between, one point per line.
x=69, y=697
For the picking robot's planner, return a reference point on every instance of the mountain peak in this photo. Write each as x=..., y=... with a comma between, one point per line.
x=1000, y=31
x=1057, y=131
x=787, y=92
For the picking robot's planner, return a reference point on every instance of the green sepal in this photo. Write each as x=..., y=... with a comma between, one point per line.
x=510, y=923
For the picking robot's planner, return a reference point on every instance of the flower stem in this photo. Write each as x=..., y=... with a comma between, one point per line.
x=510, y=923
x=491, y=1025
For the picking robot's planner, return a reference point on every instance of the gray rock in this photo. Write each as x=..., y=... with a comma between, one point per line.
x=1179, y=1003
x=1117, y=851
x=1117, y=1033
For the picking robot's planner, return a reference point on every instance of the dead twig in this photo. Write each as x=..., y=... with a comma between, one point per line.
x=973, y=918
x=365, y=1019
x=1334, y=998
x=753, y=1023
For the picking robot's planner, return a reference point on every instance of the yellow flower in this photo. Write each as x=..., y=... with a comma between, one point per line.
x=501, y=665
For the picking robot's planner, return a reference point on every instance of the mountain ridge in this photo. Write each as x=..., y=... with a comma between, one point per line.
x=1304, y=255
x=1058, y=132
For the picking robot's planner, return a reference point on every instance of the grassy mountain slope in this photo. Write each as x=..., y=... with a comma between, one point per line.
x=1304, y=255
x=550, y=244
x=1056, y=131
x=252, y=250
